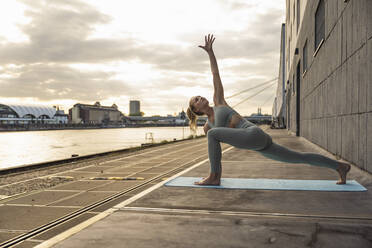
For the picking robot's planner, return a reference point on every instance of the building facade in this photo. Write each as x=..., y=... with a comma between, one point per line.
x=279, y=116
x=329, y=75
x=95, y=114
x=14, y=114
x=134, y=107
x=61, y=117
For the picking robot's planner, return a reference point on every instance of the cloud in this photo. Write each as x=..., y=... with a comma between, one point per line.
x=50, y=81
x=60, y=33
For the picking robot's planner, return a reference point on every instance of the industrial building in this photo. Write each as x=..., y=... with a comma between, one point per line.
x=95, y=114
x=328, y=76
x=15, y=114
x=134, y=108
x=279, y=114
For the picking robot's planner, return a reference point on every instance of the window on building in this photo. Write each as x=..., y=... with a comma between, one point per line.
x=298, y=15
x=304, y=57
x=319, y=24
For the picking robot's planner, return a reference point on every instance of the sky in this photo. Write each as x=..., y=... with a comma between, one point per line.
x=63, y=52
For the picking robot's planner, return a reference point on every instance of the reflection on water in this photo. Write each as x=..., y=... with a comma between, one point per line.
x=18, y=148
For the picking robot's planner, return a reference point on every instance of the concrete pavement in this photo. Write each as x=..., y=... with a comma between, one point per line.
x=204, y=217
x=35, y=216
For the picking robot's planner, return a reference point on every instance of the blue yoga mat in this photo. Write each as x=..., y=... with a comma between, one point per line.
x=270, y=184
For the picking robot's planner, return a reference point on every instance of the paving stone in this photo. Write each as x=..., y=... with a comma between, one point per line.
x=146, y=175
x=141, y=189
x=29, y=217
x=41, y=198
x=81, y=185
x=112, y=203
x=195, y=230
x=95, y=168
x=4, y=236
x=118, y=163
x=141, y=165
x=63, y=227
x=27, y=244
x=83, y=199
x=157, y=170
x=159, y=160
x=118, y=185
x=117, y=174
x=125, y=170
x=78, y=175
x=260, y=201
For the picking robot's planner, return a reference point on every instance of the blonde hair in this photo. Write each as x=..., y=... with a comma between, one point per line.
x=193, y=116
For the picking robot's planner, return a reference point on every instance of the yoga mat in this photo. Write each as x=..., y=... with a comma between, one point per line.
x=270, y=184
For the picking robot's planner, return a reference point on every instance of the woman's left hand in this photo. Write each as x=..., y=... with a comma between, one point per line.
x=208, y=43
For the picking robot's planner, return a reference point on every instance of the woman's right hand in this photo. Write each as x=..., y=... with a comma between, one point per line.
x=208, y=43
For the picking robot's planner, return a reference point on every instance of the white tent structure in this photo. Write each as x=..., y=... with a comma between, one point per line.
x=15, y=113
x=36, y=111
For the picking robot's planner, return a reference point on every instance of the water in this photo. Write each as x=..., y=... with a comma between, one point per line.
x=20, y=148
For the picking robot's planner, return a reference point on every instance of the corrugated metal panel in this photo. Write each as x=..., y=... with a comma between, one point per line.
x=35, y=110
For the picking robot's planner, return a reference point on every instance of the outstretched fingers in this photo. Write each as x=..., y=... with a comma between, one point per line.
x=209, y=39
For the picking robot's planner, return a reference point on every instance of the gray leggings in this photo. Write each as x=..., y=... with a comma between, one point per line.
x=254, y=138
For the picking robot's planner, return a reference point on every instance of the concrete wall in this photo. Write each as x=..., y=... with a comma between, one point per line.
x=336, y=89
x=93, y=115
x=75, y=115
x=97, y=116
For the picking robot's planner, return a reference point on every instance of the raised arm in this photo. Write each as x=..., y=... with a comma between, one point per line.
x=218, y=96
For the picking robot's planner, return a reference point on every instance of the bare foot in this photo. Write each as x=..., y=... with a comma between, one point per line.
x=343, y=169
x=212, y=179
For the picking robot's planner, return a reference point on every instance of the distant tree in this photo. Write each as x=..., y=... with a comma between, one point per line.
x=137, y=114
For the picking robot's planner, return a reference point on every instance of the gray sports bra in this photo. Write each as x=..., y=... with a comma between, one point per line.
x=222, y=117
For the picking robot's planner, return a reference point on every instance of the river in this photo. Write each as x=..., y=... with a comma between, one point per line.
x=29, y=147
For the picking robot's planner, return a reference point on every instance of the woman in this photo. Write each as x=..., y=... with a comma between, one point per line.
x=226, y=125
